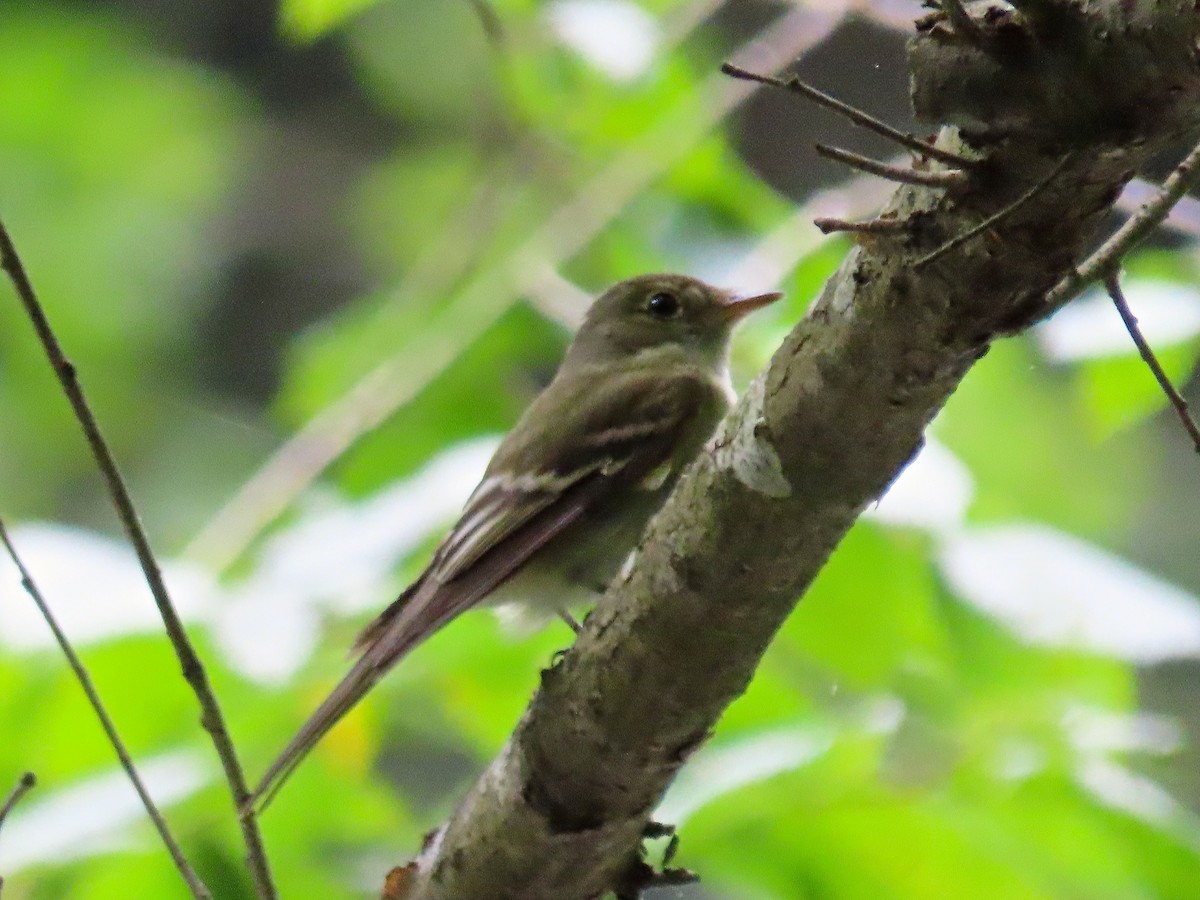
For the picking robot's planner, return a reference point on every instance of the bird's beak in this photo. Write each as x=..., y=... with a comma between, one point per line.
x=737, y=307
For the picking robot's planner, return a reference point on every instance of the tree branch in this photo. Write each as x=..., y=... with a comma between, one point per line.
x=944, y=178
x=820, y=434
x=197, y=887
x=24, y=785
x=1113, y=284
x=993, y=220
x=962, y=21
x=211, y=716
x=1135, y=230
x=863, y=119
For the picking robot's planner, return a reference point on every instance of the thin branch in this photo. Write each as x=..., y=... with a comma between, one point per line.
x=779, y=251
x=962, y=22
x=24, y=785
x=1184, y=217
x=997, y=217
x=854, y=114
x=195, y=885
x=1112, y=283
x=193, y=670
x=1136, y=229
x=945, y=178
x=829, y=224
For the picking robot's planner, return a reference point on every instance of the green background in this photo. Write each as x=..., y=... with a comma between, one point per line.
x=236, y=212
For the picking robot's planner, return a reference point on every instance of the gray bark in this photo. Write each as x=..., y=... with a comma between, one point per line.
x=835, y=417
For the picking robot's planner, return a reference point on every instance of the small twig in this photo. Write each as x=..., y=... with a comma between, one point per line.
x=1112, y=283
x=994, y=219
x=1109, y=254
x=829, y=224
x=857, y=116
x=962, y=22
x=195, y=885
x=1184, y=217
x=211, y=716
x=944, y=178
x=24, y=785
x=780, y=250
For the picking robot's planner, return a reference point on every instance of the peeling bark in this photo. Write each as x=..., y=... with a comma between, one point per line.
x=836, y=416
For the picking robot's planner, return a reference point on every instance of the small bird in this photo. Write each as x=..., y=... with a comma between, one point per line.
x=570, y=488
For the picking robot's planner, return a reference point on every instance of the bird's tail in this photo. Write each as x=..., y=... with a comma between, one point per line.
x=414, y=616
x=352, y=688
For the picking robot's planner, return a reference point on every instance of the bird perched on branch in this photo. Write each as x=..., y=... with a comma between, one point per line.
x=570, y=488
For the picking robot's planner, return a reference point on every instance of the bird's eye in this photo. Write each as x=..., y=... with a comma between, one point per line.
x=663, y=305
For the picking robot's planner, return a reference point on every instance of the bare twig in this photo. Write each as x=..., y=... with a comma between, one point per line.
x=994, y=219
x=193, y=670
x=962, y=21
x=1112, y=283
x=24, y=785
x=944, y=178
x=829, y=224
x=779, y=250
x=1184, y=217
x=854, y=114
x=1139, y=226
x=195, y=885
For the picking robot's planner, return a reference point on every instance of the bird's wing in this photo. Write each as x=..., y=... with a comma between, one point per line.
x=620, y=429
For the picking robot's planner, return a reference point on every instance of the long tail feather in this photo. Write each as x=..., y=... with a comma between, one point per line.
x=352, y=688
x=384, y=643
x=420, y=611
x=375, y=629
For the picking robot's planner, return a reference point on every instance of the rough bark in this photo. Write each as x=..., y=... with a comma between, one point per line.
x=822, y=432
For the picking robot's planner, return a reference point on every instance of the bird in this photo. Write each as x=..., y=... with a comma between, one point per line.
x=566, y=495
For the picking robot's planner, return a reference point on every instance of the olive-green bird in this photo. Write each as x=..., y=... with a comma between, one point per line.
x=570, y=488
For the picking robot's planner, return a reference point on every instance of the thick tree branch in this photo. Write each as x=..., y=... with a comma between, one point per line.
x=961, y=21
x=838, y=413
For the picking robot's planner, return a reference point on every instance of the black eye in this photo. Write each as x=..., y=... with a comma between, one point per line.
x=663, y=305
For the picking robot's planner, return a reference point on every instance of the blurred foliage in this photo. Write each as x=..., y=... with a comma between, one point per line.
x=899, y=741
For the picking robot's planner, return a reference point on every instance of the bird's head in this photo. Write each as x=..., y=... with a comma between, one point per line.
x=673, y=314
